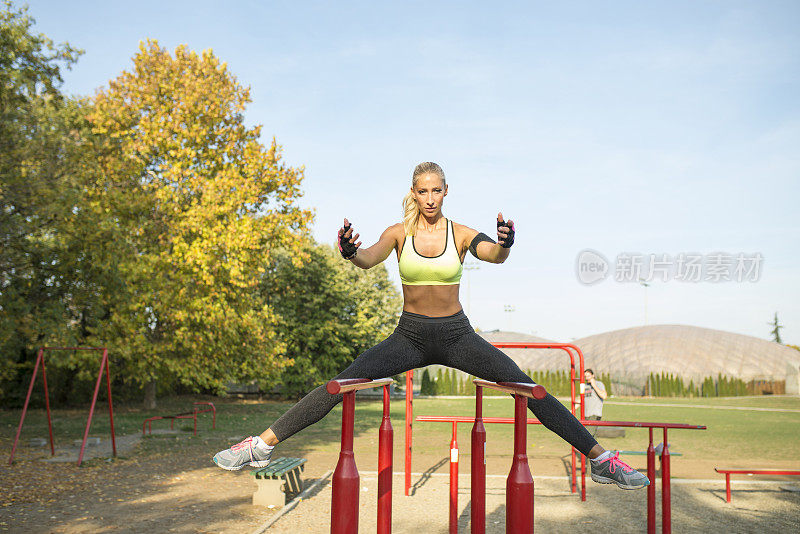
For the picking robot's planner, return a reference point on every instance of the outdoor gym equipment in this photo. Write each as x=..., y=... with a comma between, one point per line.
x=576, y=405
x=729, y=472
x=344, y=503
x=103, y=366
x=666, y=499
x=196, y=410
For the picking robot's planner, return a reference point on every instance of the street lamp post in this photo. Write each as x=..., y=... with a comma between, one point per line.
x=510, y=309
x=645, y=285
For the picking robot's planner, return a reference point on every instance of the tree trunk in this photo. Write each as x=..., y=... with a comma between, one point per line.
x=150, y=395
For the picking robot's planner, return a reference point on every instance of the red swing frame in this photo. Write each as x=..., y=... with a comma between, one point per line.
x=40, y=360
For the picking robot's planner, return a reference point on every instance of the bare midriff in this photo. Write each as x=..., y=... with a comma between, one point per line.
x=433, y=301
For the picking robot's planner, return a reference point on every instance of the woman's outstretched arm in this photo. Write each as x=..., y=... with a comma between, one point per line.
x=367, y=258
x=486, y=249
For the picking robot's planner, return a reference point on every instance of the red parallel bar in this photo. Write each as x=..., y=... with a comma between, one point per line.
x=651, y=489
x=729, y=472
x=385, y=441
x=344, y=502
x=757, y=472
x=666, y=498
x=478, y=473
x=509, y=420
x=533, y=391
x=344, y=505
x=409, y=419
x=519, y=486
x=454, y=481
x=346, y=385
x=39, y=358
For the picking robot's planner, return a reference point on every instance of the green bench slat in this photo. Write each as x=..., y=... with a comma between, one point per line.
x=279, y=467
x=643, y=453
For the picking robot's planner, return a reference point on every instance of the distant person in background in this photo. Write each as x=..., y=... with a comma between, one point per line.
x=593, y=396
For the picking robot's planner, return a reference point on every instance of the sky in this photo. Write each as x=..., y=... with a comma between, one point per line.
x=625, y=128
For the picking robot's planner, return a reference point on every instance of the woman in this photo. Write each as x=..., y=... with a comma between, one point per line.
x=432, y=328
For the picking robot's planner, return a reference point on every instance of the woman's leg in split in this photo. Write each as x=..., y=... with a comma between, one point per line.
x=394, y=355
x=474, y=355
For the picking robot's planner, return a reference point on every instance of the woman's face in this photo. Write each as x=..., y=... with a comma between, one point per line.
x=429, y=194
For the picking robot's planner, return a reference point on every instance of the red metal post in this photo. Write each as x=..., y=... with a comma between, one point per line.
x=583, y=416
x=727, y=487
x=478, y=472
x=110, y=404
x=409, y=419
x=666, y=508
x=454, y=481
x=385, y=439
x=91, y=408
x=25, y=408
x=47, y=406
x=651, y=489
x=519, y=486
x=344, y=504
x=573, y=405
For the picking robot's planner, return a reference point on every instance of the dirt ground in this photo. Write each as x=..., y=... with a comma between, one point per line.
x=168, y=492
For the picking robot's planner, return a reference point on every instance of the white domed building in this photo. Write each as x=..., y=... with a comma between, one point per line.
x=693, y=353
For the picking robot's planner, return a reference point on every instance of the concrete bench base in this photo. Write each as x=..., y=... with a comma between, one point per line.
x=276, y=486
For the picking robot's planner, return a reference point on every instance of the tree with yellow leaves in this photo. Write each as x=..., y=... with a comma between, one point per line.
x=193, y=206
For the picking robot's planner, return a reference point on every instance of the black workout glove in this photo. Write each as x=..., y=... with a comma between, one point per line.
x=346, y=248
x=509, y=240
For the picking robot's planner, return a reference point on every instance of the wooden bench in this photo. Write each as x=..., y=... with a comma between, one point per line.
x=279, y=482
x=729, y=472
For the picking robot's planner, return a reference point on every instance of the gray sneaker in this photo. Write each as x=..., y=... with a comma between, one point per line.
x=246, y=452
x=612, y=470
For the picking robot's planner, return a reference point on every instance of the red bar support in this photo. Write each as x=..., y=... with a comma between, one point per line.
x=727, y=487
x=519, y=486
x=666, y=502
x=409, y=420
x=454, y=481
x=344, y=505
x=651, y=489
x=478, y=472
x=385, y=440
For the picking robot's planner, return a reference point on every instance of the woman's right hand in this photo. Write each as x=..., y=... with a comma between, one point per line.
x=348, y=244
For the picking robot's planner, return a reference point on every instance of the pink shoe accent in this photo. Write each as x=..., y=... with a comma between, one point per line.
x=616, y=462
x=248, y=442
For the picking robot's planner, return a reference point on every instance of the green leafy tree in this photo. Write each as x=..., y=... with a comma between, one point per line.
x=189, y=208
x=776, y=329
x=427, y=387
x=37, y=192
x=328, y=311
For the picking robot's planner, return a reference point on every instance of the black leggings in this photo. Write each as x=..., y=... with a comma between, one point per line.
x=418, y=341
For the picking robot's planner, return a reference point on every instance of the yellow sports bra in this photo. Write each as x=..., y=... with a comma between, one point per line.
x=442, y=270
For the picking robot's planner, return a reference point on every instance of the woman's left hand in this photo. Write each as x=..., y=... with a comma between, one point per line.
x=505, y=232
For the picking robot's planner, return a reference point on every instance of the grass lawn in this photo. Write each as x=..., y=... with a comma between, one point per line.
x=733, y=438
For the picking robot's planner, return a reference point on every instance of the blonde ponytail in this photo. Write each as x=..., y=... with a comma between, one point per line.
x=410, y=214
x=410, y=208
